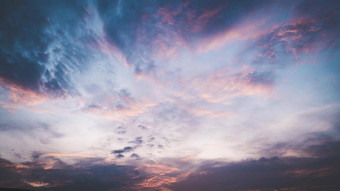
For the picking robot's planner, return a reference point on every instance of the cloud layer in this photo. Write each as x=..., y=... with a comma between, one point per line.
x=158, y=92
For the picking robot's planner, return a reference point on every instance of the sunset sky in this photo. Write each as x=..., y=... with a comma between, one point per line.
x=170, y=95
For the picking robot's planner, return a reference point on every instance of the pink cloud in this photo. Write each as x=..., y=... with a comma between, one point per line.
x=18, y=97
x=224, y=84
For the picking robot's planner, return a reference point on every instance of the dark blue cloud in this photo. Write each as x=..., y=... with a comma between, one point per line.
x=37, y=49
x=133, y=26
x=22, y=43
x=134, y=155
x=137, y=141
x=67, y=178
x=38, y=35
x=125, y=149
x=122, y=20
x=119, y=153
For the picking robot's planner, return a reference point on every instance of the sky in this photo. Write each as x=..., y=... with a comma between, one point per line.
x=169, y=95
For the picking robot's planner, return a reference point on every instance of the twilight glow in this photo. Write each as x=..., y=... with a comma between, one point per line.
x=169, y=95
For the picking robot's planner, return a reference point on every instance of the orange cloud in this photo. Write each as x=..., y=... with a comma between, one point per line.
x=159, y=175
x=37, y=184
x=18, y=97
x=160, y=169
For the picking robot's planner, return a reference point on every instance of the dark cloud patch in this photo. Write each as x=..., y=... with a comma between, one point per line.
x=316, y=144
x=125, y=149
x=37, y=49
x=122, y=20
x=281, y=173
x=313, y=8
x=13, y=189
x=8, y=176
x=319, y=172
x=327, y=149
x=35, y=155
x=134, y=155
x=137, y=27
x=119, y=153
x=266, y=174
x=22, y=43
x=69, y=178
x=119, y=156
x=137, y=141
x=317, y=138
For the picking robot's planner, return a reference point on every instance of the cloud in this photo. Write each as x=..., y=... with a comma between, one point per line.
x=137, y=141
x=125, y=149
x=141, y=29
x=122, y=21
x=187, y=80
x=305, y=173
x=142, y=127
x=134, y=155
x=328, y=148
x=37, y=177
x=66, y=155
x=261, y=78
x=119, y=153
x=22, y=43
x=38, y=53
x=266, y=174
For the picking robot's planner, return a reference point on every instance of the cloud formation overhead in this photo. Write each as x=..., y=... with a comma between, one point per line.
x=169, y=95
